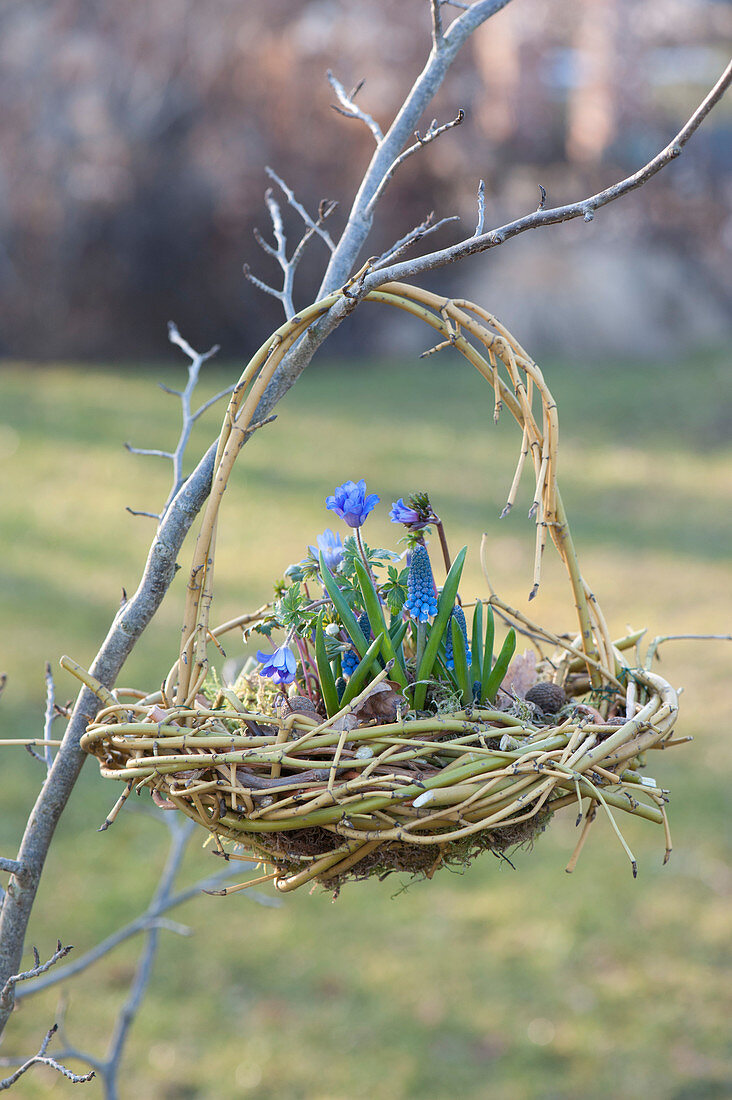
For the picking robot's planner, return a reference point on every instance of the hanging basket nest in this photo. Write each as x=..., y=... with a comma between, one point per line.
x=380, y=786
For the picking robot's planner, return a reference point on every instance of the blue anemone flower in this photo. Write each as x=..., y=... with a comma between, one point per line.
x=402, y=513
x=331, y=546
x=279, y=666
x=421, y=601
x=351, y=503
x=458, y=614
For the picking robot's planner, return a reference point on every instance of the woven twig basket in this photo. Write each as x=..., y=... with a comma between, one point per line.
x=316, y=802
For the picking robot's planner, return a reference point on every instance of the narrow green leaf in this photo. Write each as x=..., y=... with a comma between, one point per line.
x=461, y=664
x=360, y=675
x=491, y=684
x=344, y=612
x=445, y=605
x=325, y=673
x=374, y=610
x=490, y=631
x=476, y=646
x=399, y=634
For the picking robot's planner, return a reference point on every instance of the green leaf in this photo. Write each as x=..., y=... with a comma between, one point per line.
x=461, y=664
x=344, y=612
x=445, y=605
x=490, y=631
x=373, y=608
x=491, y=684
x=477, y=642
x=397, y=632
x=360, y=675
x=325, y=673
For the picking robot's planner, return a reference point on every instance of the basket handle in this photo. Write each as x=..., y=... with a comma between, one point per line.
x=452, y=319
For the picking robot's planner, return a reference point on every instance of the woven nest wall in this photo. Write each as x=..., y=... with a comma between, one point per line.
x=380, y=786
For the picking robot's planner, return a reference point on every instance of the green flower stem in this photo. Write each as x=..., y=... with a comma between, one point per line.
x=421, y=641
x=362, y=552
x=443, y=542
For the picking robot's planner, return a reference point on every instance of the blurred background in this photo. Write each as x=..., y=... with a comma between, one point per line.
x=135, y=139
x=134, y=142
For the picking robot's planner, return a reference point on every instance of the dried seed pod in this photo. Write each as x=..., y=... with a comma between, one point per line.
x=296, y=704
x=547, y=696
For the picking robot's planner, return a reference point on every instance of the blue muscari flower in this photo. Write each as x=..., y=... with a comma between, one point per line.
x=458, y=614
x=331, y=546
x=350, y=659
x=279, y=666
x=349, y=662
x=421, y=601
x=351, y=503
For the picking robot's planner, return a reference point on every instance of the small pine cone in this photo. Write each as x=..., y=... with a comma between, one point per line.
x=546, y=696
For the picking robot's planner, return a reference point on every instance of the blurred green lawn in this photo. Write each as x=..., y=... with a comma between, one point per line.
x=509, y=984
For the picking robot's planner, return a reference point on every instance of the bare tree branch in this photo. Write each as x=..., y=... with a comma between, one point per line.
x=10, y=866
x=288, y=265
x=411, y=238
x=401, y=130
x=138, y=512
x=8, y=990
x=481, y=209
x=348, y=107
x=148, y=452
x=437, y=35
x=50, y=715
x=584, y=208
x=44, y=1059
x=433, y=132
x=180, y=837
x=188, y=418
x=211, y=401
x=151, y=918
x=300, y=209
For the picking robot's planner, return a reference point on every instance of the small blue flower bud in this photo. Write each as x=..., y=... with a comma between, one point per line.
x=458, y=615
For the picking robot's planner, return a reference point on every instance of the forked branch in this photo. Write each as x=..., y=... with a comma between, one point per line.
x=42, y=1058
x=278, y=251
x=188, y=416
x=346, y=105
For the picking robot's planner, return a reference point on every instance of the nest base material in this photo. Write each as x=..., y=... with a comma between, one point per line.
x=318, y=803
x=396, y=856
